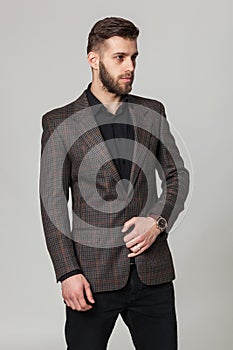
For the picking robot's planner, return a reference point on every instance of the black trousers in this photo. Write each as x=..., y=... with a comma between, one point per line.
x=148, y=311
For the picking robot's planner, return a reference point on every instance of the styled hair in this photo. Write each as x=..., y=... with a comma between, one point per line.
x=109, y=27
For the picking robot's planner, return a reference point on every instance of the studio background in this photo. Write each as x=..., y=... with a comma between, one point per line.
x=185, y=61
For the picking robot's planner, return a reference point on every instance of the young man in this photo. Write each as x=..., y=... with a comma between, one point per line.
x=106, y=146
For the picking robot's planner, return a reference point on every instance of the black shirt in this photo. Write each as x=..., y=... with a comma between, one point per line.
x=118, y=128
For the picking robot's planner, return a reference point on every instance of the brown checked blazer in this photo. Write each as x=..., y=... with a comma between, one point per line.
x=72, y=150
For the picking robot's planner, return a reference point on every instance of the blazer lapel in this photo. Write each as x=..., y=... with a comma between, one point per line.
x=93, y=138
x=142, y=139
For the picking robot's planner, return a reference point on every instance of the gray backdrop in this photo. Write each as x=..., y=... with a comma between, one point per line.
x=186, y=62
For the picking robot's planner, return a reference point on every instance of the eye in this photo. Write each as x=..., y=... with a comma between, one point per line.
x=120, y=57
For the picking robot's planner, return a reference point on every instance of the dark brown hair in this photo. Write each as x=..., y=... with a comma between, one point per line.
x=108, y=27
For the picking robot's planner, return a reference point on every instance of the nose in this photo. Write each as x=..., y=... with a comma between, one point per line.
x=130, y=65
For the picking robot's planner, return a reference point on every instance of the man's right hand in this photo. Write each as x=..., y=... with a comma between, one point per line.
x=74, y=291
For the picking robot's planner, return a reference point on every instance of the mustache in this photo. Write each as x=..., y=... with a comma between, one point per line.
x=128, y=76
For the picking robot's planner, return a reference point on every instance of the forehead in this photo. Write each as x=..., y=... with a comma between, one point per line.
x=118, y=44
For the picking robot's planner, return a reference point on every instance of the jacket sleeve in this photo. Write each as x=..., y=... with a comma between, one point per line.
x=54, y=195
x=173, y=174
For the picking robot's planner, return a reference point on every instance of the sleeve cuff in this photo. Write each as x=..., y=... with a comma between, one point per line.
x=153, y=216
x=69, y=274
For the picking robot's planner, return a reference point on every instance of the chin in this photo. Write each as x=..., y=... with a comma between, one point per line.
x=126, y=89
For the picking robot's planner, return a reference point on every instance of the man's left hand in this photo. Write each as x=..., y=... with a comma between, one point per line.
x=142, y=236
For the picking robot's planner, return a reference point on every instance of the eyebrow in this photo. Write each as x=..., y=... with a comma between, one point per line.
x=124, y=53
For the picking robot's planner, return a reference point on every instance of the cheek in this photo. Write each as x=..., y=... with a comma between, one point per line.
x=116, y=73
x=115, y=66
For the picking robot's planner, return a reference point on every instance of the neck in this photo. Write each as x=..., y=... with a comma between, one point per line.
x=109, y=100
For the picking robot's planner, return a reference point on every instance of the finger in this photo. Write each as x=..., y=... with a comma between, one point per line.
x=79, y=303
x=136, y=240
x=132, y=255
x=129, y=236
x=83, y=304
x=70, y=304
x=137, y=248
x=134, y=235
x=142, y=238
x=89, y=293
x=127, y=224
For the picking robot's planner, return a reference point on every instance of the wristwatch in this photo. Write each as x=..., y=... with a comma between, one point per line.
x=161, y=223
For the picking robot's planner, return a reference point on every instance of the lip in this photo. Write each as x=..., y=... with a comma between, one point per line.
x=127, y=79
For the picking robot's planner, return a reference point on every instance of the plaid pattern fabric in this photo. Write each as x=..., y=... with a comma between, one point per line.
x=107, y=266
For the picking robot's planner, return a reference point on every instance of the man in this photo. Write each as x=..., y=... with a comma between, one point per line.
x=115, y=260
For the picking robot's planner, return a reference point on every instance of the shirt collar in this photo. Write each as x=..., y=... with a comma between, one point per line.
x=93, y=100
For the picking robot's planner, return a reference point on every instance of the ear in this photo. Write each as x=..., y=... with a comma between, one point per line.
x=93, y=59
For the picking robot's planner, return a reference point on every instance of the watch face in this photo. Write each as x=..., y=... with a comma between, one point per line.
x=162, y=223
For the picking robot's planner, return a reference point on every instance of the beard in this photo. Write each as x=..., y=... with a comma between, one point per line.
x=111, y=84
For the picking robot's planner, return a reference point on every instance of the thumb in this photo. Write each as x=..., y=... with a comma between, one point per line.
x=127, y=224
x=88, y=293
